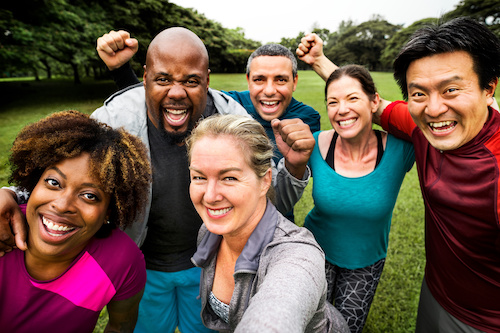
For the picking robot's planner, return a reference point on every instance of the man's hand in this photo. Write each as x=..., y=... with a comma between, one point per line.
x=13, y=228
x=310, y=51
x=116, y=48
x=296, y=142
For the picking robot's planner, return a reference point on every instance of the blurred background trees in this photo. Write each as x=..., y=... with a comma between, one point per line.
x=58, y=37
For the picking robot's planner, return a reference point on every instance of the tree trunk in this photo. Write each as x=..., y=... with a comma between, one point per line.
x=48, y=69
x=76, y=75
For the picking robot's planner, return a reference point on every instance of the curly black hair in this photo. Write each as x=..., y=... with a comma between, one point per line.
x=118, y=160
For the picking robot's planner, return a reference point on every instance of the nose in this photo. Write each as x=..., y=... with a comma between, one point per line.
x=343, y=107
x=435, y=106
x=269, y=88
x=63, y=204
x=212, y=193
x=177, y=92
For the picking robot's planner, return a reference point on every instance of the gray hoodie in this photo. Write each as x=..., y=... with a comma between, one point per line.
x=280, y=283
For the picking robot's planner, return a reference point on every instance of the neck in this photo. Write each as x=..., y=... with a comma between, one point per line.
x=44, y=270
x=359, y=147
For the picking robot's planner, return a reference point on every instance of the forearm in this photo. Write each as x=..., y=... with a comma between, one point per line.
x=289, y=189
x=124, y=76
x=324, y=67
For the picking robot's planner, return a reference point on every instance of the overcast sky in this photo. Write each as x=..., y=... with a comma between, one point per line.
x=270, y=20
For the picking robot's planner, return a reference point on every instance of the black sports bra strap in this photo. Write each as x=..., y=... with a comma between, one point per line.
x=380, y=147
x=330, y=156
x=331, y=151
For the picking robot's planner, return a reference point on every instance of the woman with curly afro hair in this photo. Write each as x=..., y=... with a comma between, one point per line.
x=85, y=179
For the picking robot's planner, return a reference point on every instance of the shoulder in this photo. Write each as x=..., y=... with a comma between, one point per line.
x=225, y=104
x=290, y=235
x=126, y=108
x=305, y=112
x=117, y=249
x=134, y=92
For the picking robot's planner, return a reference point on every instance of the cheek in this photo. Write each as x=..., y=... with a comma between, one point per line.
x=195, y=193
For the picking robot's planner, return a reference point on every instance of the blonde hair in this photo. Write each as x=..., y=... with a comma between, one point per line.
x=247, y=132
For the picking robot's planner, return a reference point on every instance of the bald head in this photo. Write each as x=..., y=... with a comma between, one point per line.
x=180, y=40
x=176, y=79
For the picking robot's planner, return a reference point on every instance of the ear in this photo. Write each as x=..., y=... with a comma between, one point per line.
x=144, y=75
x=208, y=79
x=490, y=92
x=295, y=81
x=266, y=181
x=375, y=103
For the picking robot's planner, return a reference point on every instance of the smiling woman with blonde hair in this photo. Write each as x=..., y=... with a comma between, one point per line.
x=259, y=269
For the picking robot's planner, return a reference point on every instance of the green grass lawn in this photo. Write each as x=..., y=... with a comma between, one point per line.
x=395, y=306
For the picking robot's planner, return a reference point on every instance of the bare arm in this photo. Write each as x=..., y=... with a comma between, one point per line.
x=310, y=51
x=13, y=230
x=123, y=314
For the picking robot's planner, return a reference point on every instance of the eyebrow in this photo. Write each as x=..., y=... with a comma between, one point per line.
x=56, y=169
x=185, y=77
x=441, y=84
x=221, y=172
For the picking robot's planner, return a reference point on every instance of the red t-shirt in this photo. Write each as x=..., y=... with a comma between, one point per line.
x=460, y=189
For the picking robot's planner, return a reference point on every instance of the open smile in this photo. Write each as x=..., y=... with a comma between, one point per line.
x=270, y=106
x=442, y=126
x=175, y=117
x=347, y=122
x=57, y=230
x=218, y=212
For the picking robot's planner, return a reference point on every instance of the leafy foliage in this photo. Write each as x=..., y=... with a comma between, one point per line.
x=362, y=44
x=485, y=11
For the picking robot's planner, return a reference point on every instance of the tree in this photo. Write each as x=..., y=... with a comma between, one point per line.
x=485, y=11
x=362, y=44
x=399, y=39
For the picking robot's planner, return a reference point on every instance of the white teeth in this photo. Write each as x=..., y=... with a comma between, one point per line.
x=269, y=103
x=440, y=126
x=219, y=212
x=347, y=122
x=176, y=111
x=55, y=227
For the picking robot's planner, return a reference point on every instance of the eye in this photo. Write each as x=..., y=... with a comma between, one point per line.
x=162, y=80
x=230, y=178
x=451, y=90
x=332, y=103
x=191, y=83
x=51, y=182
x=197, y=178
x=90, y=197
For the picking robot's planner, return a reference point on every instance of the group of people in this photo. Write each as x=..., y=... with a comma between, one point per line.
x=210, y=179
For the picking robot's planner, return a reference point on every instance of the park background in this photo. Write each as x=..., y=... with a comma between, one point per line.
x=48, y=63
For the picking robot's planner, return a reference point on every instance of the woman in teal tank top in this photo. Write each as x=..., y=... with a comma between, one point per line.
x=358, y=172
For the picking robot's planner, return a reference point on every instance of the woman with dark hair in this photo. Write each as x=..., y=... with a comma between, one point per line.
x=85, y=179
x=357, y=175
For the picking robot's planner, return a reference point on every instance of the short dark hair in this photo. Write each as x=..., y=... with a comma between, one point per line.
x=273, y=50
x=459, y=34
x=356, y=72
x=118, y=159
